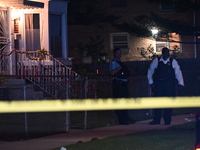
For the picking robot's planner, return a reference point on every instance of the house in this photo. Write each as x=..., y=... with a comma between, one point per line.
x=132, y=45
x=34, y=45
x=32, y=28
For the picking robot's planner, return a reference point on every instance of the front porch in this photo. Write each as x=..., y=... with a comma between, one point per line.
x=32, y=44
x=38, y=68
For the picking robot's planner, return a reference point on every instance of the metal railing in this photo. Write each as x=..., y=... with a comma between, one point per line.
x=40, y=67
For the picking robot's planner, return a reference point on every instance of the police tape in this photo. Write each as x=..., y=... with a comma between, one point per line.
x=98, y=104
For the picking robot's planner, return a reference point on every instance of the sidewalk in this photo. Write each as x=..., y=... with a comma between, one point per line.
x=59, y=140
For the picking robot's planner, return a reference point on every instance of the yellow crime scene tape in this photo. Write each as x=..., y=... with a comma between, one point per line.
x=98, y=104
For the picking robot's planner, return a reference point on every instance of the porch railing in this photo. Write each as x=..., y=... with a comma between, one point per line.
x=41, y=68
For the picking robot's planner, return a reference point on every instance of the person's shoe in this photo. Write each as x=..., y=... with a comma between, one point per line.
x=154, y=122
x=166, y=123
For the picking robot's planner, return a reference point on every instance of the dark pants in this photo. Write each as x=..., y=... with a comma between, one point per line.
x=120, y=90
x=164, y=89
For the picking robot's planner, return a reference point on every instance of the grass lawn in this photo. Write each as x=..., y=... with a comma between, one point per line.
x=180, y=137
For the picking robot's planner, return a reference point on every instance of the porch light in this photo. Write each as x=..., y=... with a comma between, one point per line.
x=154, y=31
x=197, y=147
x=16, y=14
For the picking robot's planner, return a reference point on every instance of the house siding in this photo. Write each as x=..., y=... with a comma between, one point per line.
x=81, y=34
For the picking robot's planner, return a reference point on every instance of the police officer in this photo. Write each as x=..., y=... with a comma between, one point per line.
x=120, y=84
x=162, y=75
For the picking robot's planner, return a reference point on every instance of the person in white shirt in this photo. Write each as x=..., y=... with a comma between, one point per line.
x=162, y=75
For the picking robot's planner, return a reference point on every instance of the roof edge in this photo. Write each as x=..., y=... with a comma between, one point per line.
x=34, y=3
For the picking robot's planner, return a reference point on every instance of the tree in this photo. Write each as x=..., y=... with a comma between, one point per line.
x=149, y=52
x=89, y=12
x=93, y=48
x=142, y=24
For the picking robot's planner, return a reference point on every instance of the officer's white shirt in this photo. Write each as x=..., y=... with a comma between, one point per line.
x=175, y=65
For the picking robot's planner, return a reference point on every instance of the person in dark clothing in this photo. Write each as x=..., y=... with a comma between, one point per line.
x=162, y=75
x=120, y=74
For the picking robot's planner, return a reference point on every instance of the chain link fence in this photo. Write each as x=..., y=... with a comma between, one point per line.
x=15, y=126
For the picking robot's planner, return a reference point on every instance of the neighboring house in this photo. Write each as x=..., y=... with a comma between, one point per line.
x=188, y=46
x=30, y=26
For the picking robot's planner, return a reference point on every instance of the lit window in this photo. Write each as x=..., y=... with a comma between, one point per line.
x=120, y=40
x=160, y=45
x=171, y=43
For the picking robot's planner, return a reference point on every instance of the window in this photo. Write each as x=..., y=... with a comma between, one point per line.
x=160, y=45
x=166, y=5
x=171, y=43
x=120, y=40
x=32, y=29
x=118, y=3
